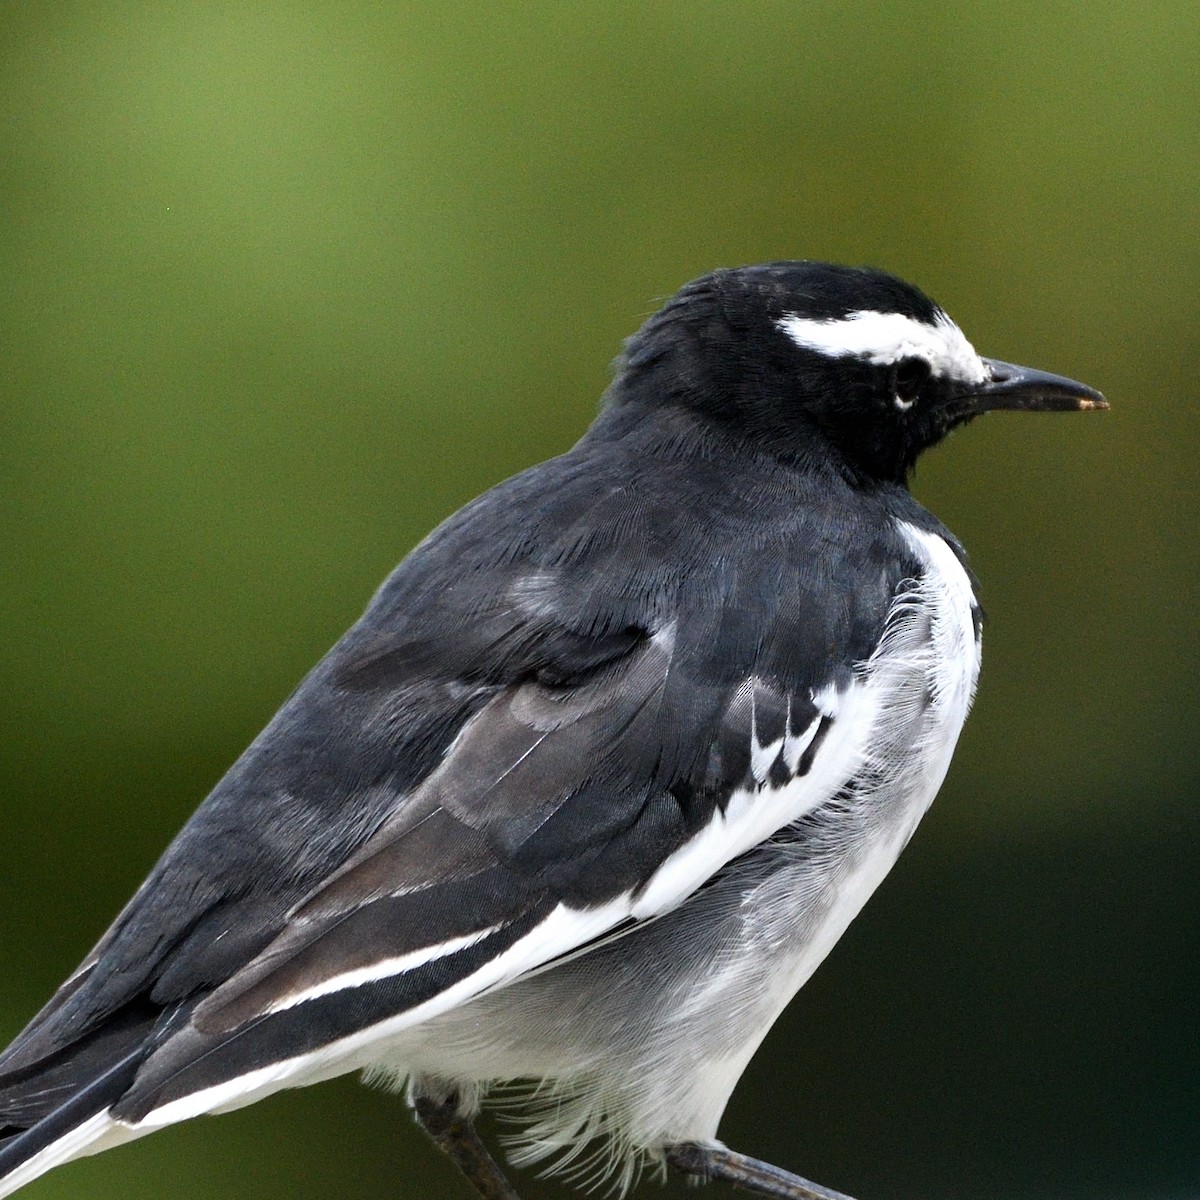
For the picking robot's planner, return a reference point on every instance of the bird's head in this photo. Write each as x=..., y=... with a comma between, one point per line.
x=807, y=358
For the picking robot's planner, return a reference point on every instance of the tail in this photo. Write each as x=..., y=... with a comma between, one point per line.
x=78, y=1127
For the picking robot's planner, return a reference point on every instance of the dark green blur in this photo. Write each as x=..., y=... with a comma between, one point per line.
x=283, y=284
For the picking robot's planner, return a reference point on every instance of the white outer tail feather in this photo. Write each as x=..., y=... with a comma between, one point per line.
x=97, y=1133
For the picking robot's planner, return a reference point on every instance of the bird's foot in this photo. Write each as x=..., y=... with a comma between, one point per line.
x=455, y=1133
x=750, y=1174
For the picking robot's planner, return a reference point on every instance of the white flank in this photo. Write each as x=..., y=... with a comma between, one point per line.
x=382, y=969
x=886, y=338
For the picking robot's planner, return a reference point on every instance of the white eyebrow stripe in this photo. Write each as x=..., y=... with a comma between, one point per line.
x=886, y=338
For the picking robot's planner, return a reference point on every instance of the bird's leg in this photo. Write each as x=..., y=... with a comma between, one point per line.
x=453, y=1132
x=750, y=1174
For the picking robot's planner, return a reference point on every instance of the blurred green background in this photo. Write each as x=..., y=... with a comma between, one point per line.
x=285, y=283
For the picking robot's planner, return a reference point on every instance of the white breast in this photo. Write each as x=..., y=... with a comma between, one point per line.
x=946, y=654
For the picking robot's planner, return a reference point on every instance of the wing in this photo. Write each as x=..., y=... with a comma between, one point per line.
x=533, y=738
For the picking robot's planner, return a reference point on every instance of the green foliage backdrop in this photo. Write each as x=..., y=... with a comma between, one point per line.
x=285, y=283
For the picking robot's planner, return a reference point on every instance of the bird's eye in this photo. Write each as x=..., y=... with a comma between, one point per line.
x=909, y=376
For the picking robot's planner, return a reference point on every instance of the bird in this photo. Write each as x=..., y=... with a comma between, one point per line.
x=607, y=766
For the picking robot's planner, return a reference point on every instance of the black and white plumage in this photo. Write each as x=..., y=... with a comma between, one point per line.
x=605, y=769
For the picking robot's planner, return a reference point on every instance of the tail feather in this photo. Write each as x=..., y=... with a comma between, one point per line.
x=33, y=1087
x=78, y=1127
